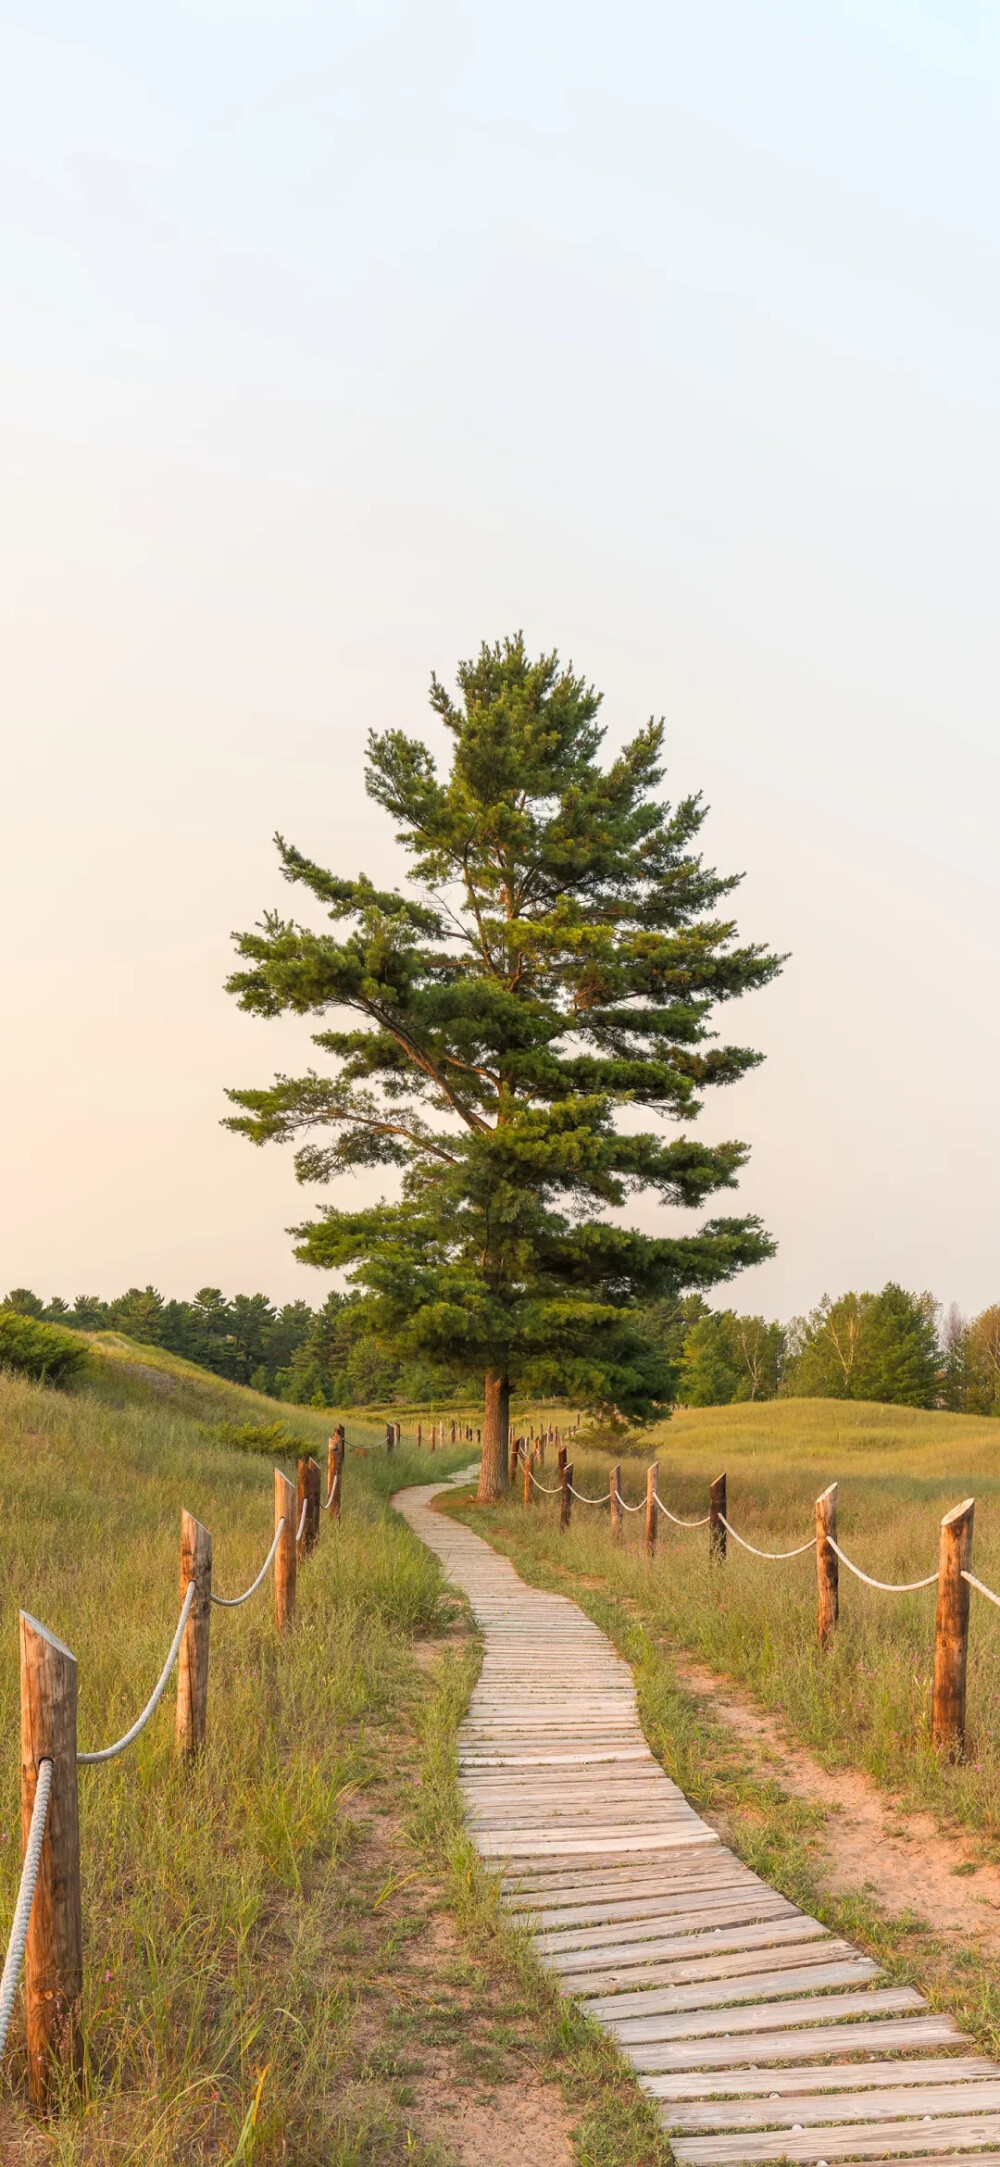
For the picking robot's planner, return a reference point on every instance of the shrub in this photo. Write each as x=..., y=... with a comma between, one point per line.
x=39, y=1350
x=270, y=1437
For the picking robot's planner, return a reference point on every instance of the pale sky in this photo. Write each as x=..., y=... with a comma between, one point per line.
x=337, y=338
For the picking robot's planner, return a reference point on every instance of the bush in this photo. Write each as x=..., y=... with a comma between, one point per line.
x=270, y=1437
x=39, y=1350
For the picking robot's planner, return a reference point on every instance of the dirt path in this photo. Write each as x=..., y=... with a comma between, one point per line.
x=903, y=1856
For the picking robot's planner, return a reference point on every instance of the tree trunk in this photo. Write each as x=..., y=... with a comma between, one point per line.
x=496, y=1435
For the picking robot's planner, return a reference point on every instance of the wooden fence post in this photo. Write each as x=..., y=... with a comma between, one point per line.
x=335, y=1472
x=191, y=1712
x=515, y=1446
x=284, y=1556
x=420, y=1434
x=827, y=1566
x=314, y=1492
x=616, y=1502
x=566, y=1500
x=717, y=1513
x=54, y=1955
x=951, y=1638
x=433, y=1436
x=652, y=1485
x=527, y=1474
x=303, y=1498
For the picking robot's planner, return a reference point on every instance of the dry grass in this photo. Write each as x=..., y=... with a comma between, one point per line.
x=209, y=1898
x=867, y=1704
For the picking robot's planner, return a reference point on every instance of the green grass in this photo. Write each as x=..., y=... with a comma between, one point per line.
x=868, y=1703
x=264, y=1934
x=207, y=1895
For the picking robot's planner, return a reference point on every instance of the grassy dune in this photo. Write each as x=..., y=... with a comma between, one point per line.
x=867, y=1703
x=206, y=1896
x=291, y=1954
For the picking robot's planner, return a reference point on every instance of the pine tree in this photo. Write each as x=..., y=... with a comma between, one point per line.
x=560, y=964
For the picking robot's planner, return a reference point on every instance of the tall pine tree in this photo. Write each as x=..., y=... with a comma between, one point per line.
x=559, y=963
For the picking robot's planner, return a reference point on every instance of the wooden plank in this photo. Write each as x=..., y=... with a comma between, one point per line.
x=817, y=1978
x=529, y=1886
x=644, y=1904
x=550, y=1819
x=804, y=2111
x=840, y=2076
x=728, y=1908
x=782, y=1941
x=526, y=1842
x=717, y=1941
x=643, y=1959
x=672, y=2023
x=847, y=2142
x=644, y=1785
x=903, y=2035
x=567, y=1758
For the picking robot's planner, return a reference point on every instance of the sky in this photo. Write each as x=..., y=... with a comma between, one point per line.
x=336, y=339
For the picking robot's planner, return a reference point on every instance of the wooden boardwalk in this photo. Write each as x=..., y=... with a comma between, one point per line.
x=762, y=2036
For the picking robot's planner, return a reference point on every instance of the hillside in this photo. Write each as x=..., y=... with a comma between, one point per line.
x=289, y=1952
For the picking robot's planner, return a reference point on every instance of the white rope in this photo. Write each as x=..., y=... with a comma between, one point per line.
x=108, y=1752
x=330, y=1496
x=754, y=1552
x=888, y=1587
x=665, y=1509
x=630, y=1508
x=546, y=1487
x=588, y=1500
x=25, y=1896
x=302, y=1520
x=232, y=1602
x=974, y=1583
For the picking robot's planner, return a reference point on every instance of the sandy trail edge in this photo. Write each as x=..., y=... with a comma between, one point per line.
x=904, y=1856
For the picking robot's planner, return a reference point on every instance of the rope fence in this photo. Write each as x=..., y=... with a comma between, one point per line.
x=887, y=1587
x=110, y=1753
x=952, y=1577
x=25, y=1898
x=47, y=1938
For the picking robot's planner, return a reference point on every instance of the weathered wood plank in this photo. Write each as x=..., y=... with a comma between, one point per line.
x=849, y=2142
x=704, y=2084
x=672, y=2023
x=818, y=1978
x=804, y=2111
x=903, y=2035
x=734, y=1911
x=643, y=1959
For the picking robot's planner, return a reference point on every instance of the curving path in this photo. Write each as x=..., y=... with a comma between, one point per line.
x=762, y=2035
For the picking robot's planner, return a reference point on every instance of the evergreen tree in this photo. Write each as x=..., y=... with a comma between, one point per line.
x=561, y=963
x=708, y=1375
x=90, y=1314
x=23, y=1302
x=139, y=1314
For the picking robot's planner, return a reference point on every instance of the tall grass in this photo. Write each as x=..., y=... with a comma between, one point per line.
x=867, y=1703
x=213, y=2030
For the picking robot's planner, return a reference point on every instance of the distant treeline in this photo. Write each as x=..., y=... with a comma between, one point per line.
x=892, y=1346
x=325, y=1357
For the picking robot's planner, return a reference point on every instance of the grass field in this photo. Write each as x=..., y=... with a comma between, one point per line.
x=867, y=1702
x=290, y=1954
